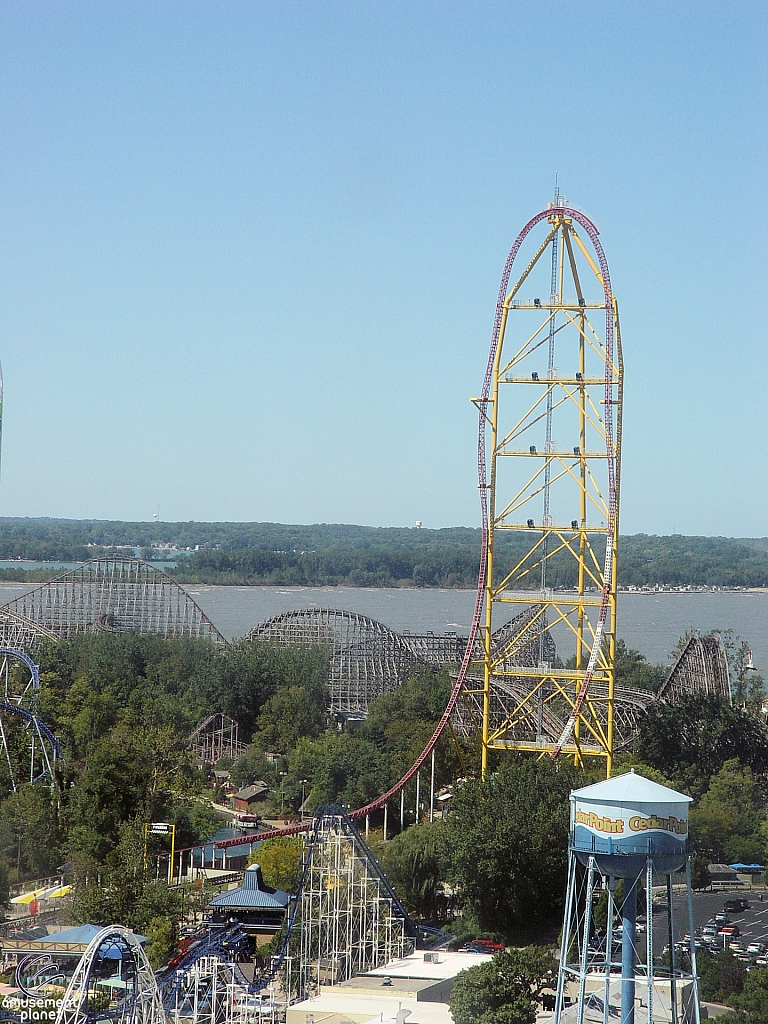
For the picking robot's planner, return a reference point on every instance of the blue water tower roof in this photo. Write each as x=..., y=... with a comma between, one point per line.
x=631, y=788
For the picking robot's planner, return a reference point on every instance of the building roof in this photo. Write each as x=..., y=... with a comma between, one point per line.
x=721, y=871
x=631, y=788
x=257, y=788
x=82, y=935
x=337, y=1003
x=253, y=893
x=448, y=965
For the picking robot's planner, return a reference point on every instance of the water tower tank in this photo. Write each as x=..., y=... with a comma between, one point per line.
x=624, y=821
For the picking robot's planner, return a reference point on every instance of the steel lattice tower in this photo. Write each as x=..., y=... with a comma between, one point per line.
x=551, y=412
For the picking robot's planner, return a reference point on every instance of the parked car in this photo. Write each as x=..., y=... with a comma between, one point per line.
x=731, y=930
x=735, y=906
x=722, y=919
x=756, y=947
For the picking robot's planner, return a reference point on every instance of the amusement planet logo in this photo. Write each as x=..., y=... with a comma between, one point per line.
x=33, y=973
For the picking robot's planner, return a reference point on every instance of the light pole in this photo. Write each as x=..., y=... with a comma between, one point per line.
x=303, y=784
x=282, y=791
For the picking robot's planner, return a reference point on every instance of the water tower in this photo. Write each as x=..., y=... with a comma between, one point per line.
x=632, y=831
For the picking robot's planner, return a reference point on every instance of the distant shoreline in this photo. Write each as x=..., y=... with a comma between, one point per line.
x=35, y=577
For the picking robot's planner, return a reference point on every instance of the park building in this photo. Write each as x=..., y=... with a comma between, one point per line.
x=255, y=906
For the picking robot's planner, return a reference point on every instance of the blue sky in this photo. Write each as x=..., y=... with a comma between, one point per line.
x=250, y=252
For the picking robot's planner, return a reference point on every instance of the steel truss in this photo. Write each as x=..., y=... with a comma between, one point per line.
x=216, y=738
x=701, y=667
x=214, y=991
x=139, y=1002
x=118, y=595
x=555, y=441
x=351, y=919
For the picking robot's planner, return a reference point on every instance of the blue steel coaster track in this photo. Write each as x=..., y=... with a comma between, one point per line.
x=227, y=943
x=52, y=751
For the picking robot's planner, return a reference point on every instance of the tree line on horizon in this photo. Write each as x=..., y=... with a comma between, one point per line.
x=333, y=555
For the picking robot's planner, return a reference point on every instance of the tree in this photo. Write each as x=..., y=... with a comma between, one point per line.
x=507, y=838
x=726, y=822
x=400, y=724
x=29, y=832
x=292, y=712
x=691, y=738
x=280, y=861
x=342, y=768
x=505, y=991
x=700, y=876
x=162, y=941
x=254, y=765
x=753, y=1000
x=633, y=670
x=414, y=862
x=721, y=975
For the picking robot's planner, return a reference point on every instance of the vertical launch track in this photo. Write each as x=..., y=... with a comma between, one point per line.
x=482, y=403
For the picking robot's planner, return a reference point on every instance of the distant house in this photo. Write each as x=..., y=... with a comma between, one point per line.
x=223, y=780
x=257, y=907
x=245, y=799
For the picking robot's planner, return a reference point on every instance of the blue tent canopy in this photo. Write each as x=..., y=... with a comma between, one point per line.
x=747, y=867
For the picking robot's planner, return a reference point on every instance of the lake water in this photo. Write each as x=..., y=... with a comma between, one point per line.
x=651, y=623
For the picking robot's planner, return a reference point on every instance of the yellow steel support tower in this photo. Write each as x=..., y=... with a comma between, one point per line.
x=553, y=416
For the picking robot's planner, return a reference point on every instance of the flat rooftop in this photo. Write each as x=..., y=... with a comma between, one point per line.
x=338, y=1004
x=418, y=986
x=448, y=966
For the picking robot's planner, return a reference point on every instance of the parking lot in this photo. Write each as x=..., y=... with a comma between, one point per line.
x=752, y=924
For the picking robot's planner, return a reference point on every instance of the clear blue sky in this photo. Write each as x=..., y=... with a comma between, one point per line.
x=250, y=251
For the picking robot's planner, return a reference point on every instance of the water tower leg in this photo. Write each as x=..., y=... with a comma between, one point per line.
x=649, y=935
x=565, y=940
x=585, y=941
x=692, y=934
x=628, y=921
x=611, y=883
x=672, y=953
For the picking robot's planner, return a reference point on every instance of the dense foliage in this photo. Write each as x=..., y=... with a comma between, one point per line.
x=331, y=554
x=691, y=739
x=280, y=861
x=123, y=707
x=507, y=990
x=415, y=862
x=507, y=838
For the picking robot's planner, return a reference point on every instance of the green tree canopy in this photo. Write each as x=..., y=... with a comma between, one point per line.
x=280, y=861
x=507, y=838
x=690, y=739
x=505, y=991
x=727, y=820
x=415, y=862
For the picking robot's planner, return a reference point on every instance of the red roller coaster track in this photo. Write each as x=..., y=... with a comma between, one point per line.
x=418, y=764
